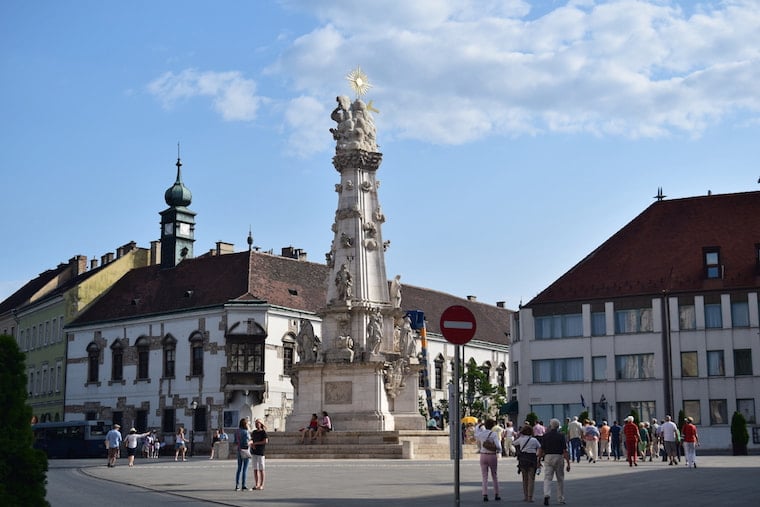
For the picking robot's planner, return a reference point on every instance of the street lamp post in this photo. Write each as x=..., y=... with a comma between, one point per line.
x=194, y=406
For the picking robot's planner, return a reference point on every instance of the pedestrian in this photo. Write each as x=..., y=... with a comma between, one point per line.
x=604, y=440
x=147, y=447
x=243, y=439
x=325, y=425
x=574, y=434
x=113, y=443
x=310, y=432
x=655, y=438
x=214, y=441
x=554, y=453
x=643, y=441
x=591, y=437
x=538, y=430
x=259, y=441
x=527, y=460
x=615, y=439
x=508, y=437
x=180, y=444
x=669, y=432
x=490, y=448
x=690, y=442
x=156, y=446
x=131, y=442
x=632, y=437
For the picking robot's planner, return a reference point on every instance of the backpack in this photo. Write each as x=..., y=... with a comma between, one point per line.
x=489, y=445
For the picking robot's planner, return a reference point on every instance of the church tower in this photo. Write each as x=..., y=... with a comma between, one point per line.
x=177, y=223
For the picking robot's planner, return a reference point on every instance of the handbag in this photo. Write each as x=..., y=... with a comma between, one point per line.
x=489, y=445
x=245, y=453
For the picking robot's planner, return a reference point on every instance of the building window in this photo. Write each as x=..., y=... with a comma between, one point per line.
x=599, y=367
x=117, y=361
x=93, y=362
x=560, y=411
x=743, y=362
x=712, y=262
x=246, y=357
x=558, y=370
x=689, y=365
x=58, y=376
x=645, y=409
x=196, y=355
x=199, y=419
x=718, y=412
x=117, y=417
x=716, y=365
x=514, y=374
x=439, y=372
x=170, y=356
x=288, y=353
x=637, y=320
x=141, y=420
x=143, y=355
x=747, y=408
x=713, y=316
x=691, y=409
x=598, y=324
x=687, y=317
x=486, y=369
x=501, y=377
x=167, y=421
x=740, y=314
x=634, y=366
x=559, y=326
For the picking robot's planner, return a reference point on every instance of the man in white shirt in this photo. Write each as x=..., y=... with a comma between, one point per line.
x=574, y=434
x=669, y=432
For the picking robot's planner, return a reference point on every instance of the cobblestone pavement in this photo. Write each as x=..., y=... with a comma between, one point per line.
x=718, y=480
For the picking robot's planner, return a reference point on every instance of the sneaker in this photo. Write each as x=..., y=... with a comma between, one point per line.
x=237, y=489
x=546, y=500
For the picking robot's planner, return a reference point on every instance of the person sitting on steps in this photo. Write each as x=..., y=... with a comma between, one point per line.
x=325, y=425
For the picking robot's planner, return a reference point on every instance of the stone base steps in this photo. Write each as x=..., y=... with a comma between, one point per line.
x=365, y=445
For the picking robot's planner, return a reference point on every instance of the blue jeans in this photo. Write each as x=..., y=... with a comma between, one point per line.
x=242, y=467
x=575, y=449
x=616, y=448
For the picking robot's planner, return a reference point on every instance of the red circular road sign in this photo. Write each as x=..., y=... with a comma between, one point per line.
x=458, y=325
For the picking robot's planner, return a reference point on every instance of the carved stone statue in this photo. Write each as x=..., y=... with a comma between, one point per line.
x=407, y=344
x=307, y=343
x=344, y=282
x=375, y=332
x=356, y=128
x=396, y=291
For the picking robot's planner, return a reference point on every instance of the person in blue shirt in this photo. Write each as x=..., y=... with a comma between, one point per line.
x=113, y=443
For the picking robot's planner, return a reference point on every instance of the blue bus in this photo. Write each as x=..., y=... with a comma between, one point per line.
x=71, y=439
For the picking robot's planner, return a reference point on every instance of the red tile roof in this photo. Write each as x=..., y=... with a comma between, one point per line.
x=253, y=276
x=661, y=250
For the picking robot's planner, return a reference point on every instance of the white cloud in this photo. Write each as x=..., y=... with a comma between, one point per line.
x=445, y=73
x=302, y=116
x=233, y=96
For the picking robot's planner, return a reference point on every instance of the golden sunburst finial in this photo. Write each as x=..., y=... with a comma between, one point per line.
x=358, y=81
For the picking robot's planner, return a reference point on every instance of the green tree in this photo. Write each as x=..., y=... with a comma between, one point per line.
x=532, y=418
x=23, y=470
x=739, y=434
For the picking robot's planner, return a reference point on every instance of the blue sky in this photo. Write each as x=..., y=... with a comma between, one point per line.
x=516, y=136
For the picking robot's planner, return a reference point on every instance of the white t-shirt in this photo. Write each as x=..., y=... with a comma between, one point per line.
x=528, y=444
x=669, y=431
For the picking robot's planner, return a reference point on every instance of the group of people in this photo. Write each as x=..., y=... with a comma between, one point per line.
x=548, y=445
x=114, y=441
x=251, y=446
x=316, y=429
x=553, y=448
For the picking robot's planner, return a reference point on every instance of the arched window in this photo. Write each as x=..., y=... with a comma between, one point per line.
x=439, y=361
x=170, y=355
x=196, y=354
x=486, y=369
x=501, y=376
x=93, y=362
x=117, y=361
x=143, y=355
x=288, y=353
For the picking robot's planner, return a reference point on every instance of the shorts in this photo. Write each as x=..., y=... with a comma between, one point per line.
x=258, y=462
x=131, y=451
x=179, y=445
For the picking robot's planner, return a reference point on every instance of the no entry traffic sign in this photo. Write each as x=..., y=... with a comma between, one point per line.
x=458, y=324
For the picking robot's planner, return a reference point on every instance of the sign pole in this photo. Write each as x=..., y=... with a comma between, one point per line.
x=456, y=428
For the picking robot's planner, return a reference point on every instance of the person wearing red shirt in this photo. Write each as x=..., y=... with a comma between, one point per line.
x=690, y=442
x=631, y=432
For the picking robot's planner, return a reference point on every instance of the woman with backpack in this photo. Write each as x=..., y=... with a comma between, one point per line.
x=490, y=448
x=527, y=460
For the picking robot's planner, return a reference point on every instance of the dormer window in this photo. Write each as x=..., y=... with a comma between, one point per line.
x=713, y=268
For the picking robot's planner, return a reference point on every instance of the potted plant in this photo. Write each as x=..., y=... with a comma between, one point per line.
x=739, y=434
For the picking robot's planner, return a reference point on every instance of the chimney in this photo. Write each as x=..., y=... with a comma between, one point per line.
x=119, y=252
x=125, y=249
x=472, y=298
x=93, y=263
x=223, y=247
x=501, y=304
x=78, y=264
x=105, y=259
x=155, y=252
x=294, y=253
